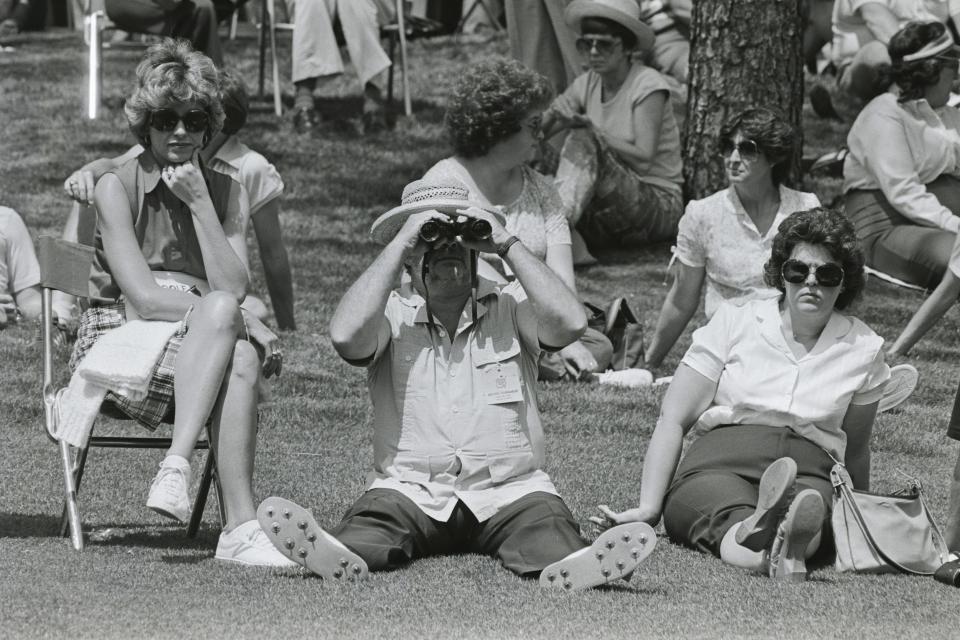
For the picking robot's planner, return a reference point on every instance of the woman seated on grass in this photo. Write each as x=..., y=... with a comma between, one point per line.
x=168, y=229
x=724, y=239
x=779, y=386
x=493, y=122
x=902, y=175
x=620, y=172
x=933, y=308
x=19, y=271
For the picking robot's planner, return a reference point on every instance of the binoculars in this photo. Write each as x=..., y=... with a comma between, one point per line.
x=470, y=229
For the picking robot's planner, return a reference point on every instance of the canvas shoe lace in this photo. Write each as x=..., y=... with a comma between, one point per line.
x=168, y=493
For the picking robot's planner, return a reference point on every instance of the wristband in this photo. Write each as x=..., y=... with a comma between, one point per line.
x=505, y=247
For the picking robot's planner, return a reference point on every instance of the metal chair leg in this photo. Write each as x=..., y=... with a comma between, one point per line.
x=209, y=469
x=263, y=48
x=94, y=51
x=274, y=63
x=74, y=461
x=402, y=31
x=71, y=510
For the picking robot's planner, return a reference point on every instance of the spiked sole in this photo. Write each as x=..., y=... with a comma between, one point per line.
x=295, y=533
x=615, y=554
x=775, y=492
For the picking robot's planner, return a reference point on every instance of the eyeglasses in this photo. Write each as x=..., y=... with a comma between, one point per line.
x=827, y=275
x=604, y=45
x=747, y=149
x=166, y=120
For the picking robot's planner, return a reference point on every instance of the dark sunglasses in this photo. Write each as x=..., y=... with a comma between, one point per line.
x=166, y=120
x=827, y=275
x=604, y=45
x=748, y=149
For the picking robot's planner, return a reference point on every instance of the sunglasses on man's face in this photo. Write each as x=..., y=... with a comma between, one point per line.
x=827, y=275
x=534, y=124
x=747, y=149
x=166, y=120
x=604, y=45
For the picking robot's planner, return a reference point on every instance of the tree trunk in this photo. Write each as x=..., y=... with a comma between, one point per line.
x=743, y=53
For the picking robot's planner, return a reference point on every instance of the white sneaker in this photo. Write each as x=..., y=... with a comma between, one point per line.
x=903, y=380
x=631, y=378
x=168, y=493
x=248, y=544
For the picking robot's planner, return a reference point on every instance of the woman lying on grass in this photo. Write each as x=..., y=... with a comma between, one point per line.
x=167, y=243
x=778, y=389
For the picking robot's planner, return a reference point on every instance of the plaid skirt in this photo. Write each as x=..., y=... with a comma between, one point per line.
x=157, y=406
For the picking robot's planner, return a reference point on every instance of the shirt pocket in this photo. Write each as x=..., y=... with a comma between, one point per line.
x=505, y=419
x=508, y=465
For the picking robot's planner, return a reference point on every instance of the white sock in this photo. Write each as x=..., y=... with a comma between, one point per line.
x=176, y=462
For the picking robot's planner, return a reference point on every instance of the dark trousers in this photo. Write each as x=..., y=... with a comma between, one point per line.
x=388, y=531
x=895, y=245
x=716, y=484
x=195, y=20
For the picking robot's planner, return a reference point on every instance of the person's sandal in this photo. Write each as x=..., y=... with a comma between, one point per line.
x=615, y=554
x=775, y=492
x=295, y=533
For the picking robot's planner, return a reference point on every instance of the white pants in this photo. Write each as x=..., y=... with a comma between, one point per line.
x=315, y=50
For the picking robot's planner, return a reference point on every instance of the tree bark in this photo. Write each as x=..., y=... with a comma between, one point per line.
x=743, y=53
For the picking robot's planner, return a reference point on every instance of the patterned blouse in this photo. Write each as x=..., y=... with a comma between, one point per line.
x=717, y=234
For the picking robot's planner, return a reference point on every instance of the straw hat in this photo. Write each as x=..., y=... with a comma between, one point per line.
x=425, y=195
x=624, y=12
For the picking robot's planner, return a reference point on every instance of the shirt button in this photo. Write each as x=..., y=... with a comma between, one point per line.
x=408, y=358
x=453, y=374
x=456, y=409
x=442, y=332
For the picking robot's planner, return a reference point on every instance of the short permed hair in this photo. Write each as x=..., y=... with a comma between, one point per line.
x=822, y=227
x=172, y=72
x=916, y=76
x=775, y=137
x=489, y=103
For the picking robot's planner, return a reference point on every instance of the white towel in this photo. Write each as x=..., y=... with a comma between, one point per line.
x=120, y=361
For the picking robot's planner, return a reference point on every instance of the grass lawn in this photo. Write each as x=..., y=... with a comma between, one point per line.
x=140, y=577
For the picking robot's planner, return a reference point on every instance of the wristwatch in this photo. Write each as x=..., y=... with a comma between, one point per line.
x=505, y=247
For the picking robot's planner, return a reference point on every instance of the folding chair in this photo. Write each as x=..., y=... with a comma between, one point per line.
x=405, y=28
x=65, y=266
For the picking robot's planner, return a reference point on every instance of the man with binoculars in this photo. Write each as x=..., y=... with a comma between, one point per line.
x=452, y=373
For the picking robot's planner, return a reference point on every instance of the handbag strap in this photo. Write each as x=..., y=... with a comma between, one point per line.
x=841, y=486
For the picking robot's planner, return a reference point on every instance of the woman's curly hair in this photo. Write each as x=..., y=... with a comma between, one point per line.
x=489, y=104
x=172, y=72
x=916, y=76
x=775, y=137
x=822, y=227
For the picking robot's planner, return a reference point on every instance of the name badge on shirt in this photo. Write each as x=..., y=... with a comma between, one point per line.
x=500, y=383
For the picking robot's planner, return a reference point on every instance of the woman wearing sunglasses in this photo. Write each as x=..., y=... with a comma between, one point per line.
x=777, y=389
x=724, y=239
x=167, y=232
x=493, y=123
x=901, y=175
x=620, y=171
